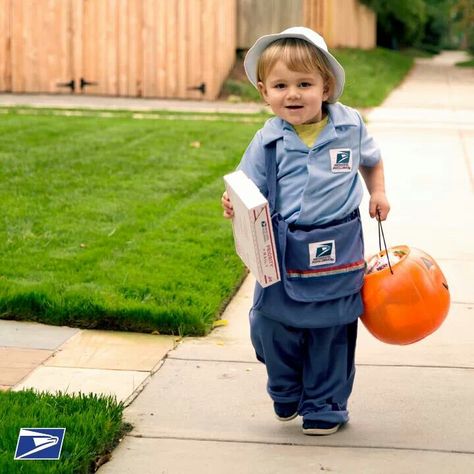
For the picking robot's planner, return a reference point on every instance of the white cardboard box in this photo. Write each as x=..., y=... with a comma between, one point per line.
x=252, y=227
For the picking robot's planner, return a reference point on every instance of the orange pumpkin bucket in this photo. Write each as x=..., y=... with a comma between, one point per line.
x=407, y=300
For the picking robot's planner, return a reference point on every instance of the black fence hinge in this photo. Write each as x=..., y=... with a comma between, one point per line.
x=201, y=87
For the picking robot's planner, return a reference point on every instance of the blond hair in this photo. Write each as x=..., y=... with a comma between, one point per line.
x=297, y=55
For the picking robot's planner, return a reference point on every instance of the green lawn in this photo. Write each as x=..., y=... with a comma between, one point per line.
x=469, y=63
x=93, y=427
x=371, y=75
x=116, y=223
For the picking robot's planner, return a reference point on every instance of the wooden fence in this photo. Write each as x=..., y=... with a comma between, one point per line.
x=342, y=23
x=262, y=17
x=153, y=48
x=143, y=48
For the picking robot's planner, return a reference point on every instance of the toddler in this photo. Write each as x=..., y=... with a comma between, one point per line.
x=306, y=160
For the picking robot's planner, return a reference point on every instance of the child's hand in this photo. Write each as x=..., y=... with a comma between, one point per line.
x=379, y=204
x=227, y=205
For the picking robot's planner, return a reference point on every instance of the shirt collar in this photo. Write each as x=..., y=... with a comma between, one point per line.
x=339, y=116
x=343, y=116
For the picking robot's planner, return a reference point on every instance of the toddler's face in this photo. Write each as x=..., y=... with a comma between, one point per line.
x=296, y=97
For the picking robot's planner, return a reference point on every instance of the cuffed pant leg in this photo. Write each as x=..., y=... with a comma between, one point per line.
x=280, y=348
x=328, y=374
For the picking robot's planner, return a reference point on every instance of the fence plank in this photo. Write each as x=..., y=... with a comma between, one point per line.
x=133, y=49
x=162, y=46
x=195, y=49
x=112, y=48
x=77, y=51
x=122, y=53
x=170, y=58
x=91, y=47
x=100, y=21
x=5, y=46
x=17, y=47
x=149, y=84
x=182, y=44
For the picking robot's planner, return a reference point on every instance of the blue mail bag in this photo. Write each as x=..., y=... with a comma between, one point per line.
x=321, y=263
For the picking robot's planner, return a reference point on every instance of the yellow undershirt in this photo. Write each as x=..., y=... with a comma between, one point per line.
x=309, y=132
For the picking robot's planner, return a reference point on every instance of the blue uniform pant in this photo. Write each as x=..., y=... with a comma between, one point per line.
x=312, y=366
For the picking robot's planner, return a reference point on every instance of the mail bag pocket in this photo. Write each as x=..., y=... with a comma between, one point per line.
x=321, y=263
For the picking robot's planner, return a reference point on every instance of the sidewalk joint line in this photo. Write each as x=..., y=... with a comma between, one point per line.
x=357, y=364
x=95, y=368
x=23, y=348
x=147, y=380
x=216, y=360
x=283, y=443
x=416, y=366
x=466, y=158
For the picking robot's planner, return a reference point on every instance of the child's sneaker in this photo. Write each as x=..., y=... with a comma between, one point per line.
x=286, y=411
x=319, y=427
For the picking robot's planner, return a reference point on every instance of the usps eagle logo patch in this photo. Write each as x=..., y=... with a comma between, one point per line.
x=39, y=444
x=322, y=253
x=341, y=160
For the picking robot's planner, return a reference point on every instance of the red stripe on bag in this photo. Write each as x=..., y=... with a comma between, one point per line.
x=328, y=270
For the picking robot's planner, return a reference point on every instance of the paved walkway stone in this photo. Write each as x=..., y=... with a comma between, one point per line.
x=113, y=350
x=17, y=363
x=123, y=384
x=33, y=335
x=266, y=458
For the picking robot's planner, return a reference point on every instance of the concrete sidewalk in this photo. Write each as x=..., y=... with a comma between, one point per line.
x=126, y=103
x=204, y=407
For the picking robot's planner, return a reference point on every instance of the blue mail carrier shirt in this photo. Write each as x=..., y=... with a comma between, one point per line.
x=317, y=185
